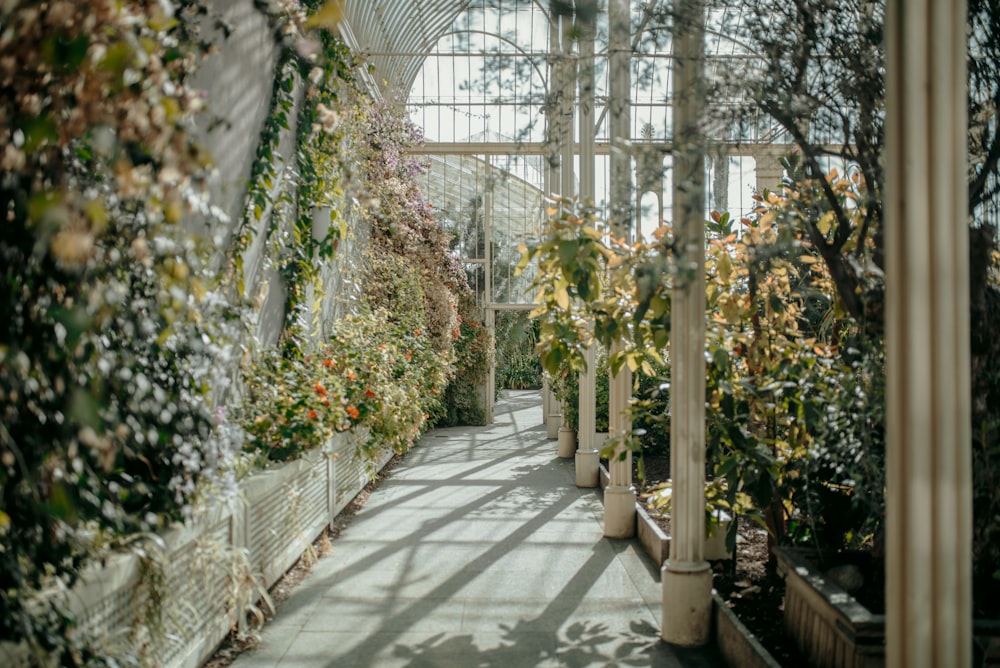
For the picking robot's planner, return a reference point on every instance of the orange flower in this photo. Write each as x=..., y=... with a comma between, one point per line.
x=353, y=412
x=350, y=375
x=369, y=394
x=408, y=355
x=455, y=333
x=417, y=332
x=313, y=415
x=328, y=363
x=320, y=390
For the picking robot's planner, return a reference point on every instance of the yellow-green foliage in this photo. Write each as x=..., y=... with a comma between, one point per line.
x=373, y=373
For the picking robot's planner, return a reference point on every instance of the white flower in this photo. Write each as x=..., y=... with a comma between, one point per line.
x=328, y=118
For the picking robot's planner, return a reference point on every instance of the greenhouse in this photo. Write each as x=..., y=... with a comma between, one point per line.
x=500, y=333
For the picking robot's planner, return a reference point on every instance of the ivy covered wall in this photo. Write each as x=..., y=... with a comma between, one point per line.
x=210, y=227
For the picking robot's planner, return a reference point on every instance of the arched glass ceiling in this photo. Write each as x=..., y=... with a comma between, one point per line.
x=394, y=35
x=476, y=75
x=415, y=49
x=487, y=77
x=488, y=74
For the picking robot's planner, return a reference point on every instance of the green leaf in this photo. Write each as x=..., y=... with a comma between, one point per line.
x=60, y=505
x=39, y=131
x=727, y=465
x=65, y=53
x=84, y=408
x=825, y=223
x=661, y=337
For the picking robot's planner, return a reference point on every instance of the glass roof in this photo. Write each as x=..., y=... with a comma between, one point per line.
x=477, y=76
x=395, y=35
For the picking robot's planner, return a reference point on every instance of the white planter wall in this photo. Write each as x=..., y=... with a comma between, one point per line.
x=279, y=513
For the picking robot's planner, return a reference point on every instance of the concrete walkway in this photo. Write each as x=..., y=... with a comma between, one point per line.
x=477, y=551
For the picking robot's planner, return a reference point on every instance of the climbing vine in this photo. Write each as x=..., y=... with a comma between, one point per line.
x=110, y=328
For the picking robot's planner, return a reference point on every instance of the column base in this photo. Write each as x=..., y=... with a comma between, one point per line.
x=619, y=512
x=687, y=603
x=567, y=442
x=588, y=468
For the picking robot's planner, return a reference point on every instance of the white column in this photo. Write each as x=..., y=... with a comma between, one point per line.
x=768, y=169
x=587, y=459
x=554, y=180
x=686, y=576
x=585, y=74
x=929, y=457
x=619, y=497
x=588, y=462
x=491, y=377
x=720, y=182
x=566, y=69
x=566, y=96
x=489, y=315
x=553, y=134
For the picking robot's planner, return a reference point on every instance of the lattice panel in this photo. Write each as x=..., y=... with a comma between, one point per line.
x=284, y=521
x=197, y=596
x=285, y=510
x=351, y=474
x=110, y=620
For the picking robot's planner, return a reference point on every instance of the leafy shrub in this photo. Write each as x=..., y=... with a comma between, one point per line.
x=404, y=228
x=796, y=391
x=517, y=366
x=372, y=373
x=474, y=350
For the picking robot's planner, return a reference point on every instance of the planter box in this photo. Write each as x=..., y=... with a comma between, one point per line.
x=285, y=509
x=278, y=514
x=833, y=630
x=830, y=628
x=739, y=648
x=654, y=541
x=108, y=599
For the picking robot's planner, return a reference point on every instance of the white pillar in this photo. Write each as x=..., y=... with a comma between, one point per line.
x=554, y=177
x=553, y=421
x=686, y=576
x=553, y=136
x=587, y=459
x=619, y=497
x=566, y=96
x=768, y=169
x=587, y=454
x=585, y=73
x=489, y=315
x=929, y=457
x=491, y=377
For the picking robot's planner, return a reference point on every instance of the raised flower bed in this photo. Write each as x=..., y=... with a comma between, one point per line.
x=833, y=630
x=198, y=574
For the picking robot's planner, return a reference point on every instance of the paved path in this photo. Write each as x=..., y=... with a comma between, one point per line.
x=477, y=551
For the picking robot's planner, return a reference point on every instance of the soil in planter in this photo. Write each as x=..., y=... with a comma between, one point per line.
x=750, y=590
